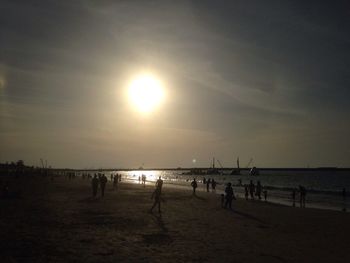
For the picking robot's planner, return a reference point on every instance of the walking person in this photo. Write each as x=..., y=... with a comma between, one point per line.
x=194, y=185
x=94, y=184
x=156, y=195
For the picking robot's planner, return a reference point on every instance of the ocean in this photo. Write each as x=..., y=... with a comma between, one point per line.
x=324, y=186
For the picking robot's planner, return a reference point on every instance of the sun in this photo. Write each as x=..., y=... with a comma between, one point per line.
x=145, y=93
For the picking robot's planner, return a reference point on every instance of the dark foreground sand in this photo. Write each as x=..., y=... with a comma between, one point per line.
x=58, y=221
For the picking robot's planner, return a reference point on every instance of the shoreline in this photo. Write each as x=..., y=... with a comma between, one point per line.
x=240, y=194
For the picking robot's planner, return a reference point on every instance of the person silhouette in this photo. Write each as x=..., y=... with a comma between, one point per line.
x=258, y=190
x=94, y=184
x=229, y=195
x=208, y=184
x=344, y=199
x=293, y=196
x=115, y=182
x=156, y=195
x=246, y=192
x=213, y=184
x=103, y=181
x=302, y=192
x=143, y=180
x=251, y=189
x=265, y=195
x=159, y=183
x=222, y=200
x=194, y=185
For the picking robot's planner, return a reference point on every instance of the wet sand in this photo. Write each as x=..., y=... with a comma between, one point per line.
x=58, y=221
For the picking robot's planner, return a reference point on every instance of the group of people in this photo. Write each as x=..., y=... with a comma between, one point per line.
x=210, y=182
x=302, y=196
x=226, y=199
x=252, y=190
x=116, y=178
x=142, y=180
x=101, y=180
x=98, y=180
x=229, y=195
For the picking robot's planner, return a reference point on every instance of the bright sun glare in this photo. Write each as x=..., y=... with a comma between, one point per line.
x=145, y=93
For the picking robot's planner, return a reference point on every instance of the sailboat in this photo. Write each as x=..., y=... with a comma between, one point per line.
x=236, y=171
x=213, y=169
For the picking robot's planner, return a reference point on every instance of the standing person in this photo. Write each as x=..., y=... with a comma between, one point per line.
x=94, y=184
x=194, y=185
x=111, y=176
x=156, y=195
x=265, y=195
x=120, y=177
x=229, y=195
x=115, y=182
x=258, y=190
x=302, y=192
x=213, y=184
x=139, y=179
x=204, y=180
x=251, y=189
x=246, y=192
x=208, y=184
x=103, y=181
x=144, y=180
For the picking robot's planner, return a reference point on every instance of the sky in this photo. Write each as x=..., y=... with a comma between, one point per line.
x=267, y=80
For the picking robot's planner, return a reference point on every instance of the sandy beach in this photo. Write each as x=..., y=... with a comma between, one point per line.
x=46, y=220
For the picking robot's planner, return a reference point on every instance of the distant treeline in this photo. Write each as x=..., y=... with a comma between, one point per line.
x=19, y=168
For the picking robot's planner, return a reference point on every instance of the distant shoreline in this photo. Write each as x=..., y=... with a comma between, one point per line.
x=206, y=168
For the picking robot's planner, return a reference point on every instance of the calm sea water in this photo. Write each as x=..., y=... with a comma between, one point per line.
x=324, y=187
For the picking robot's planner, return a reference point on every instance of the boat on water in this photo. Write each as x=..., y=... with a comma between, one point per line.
x=210, y=171
x=236, y=171
x=194, y=171
x=254, y=171
x=213, y=170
